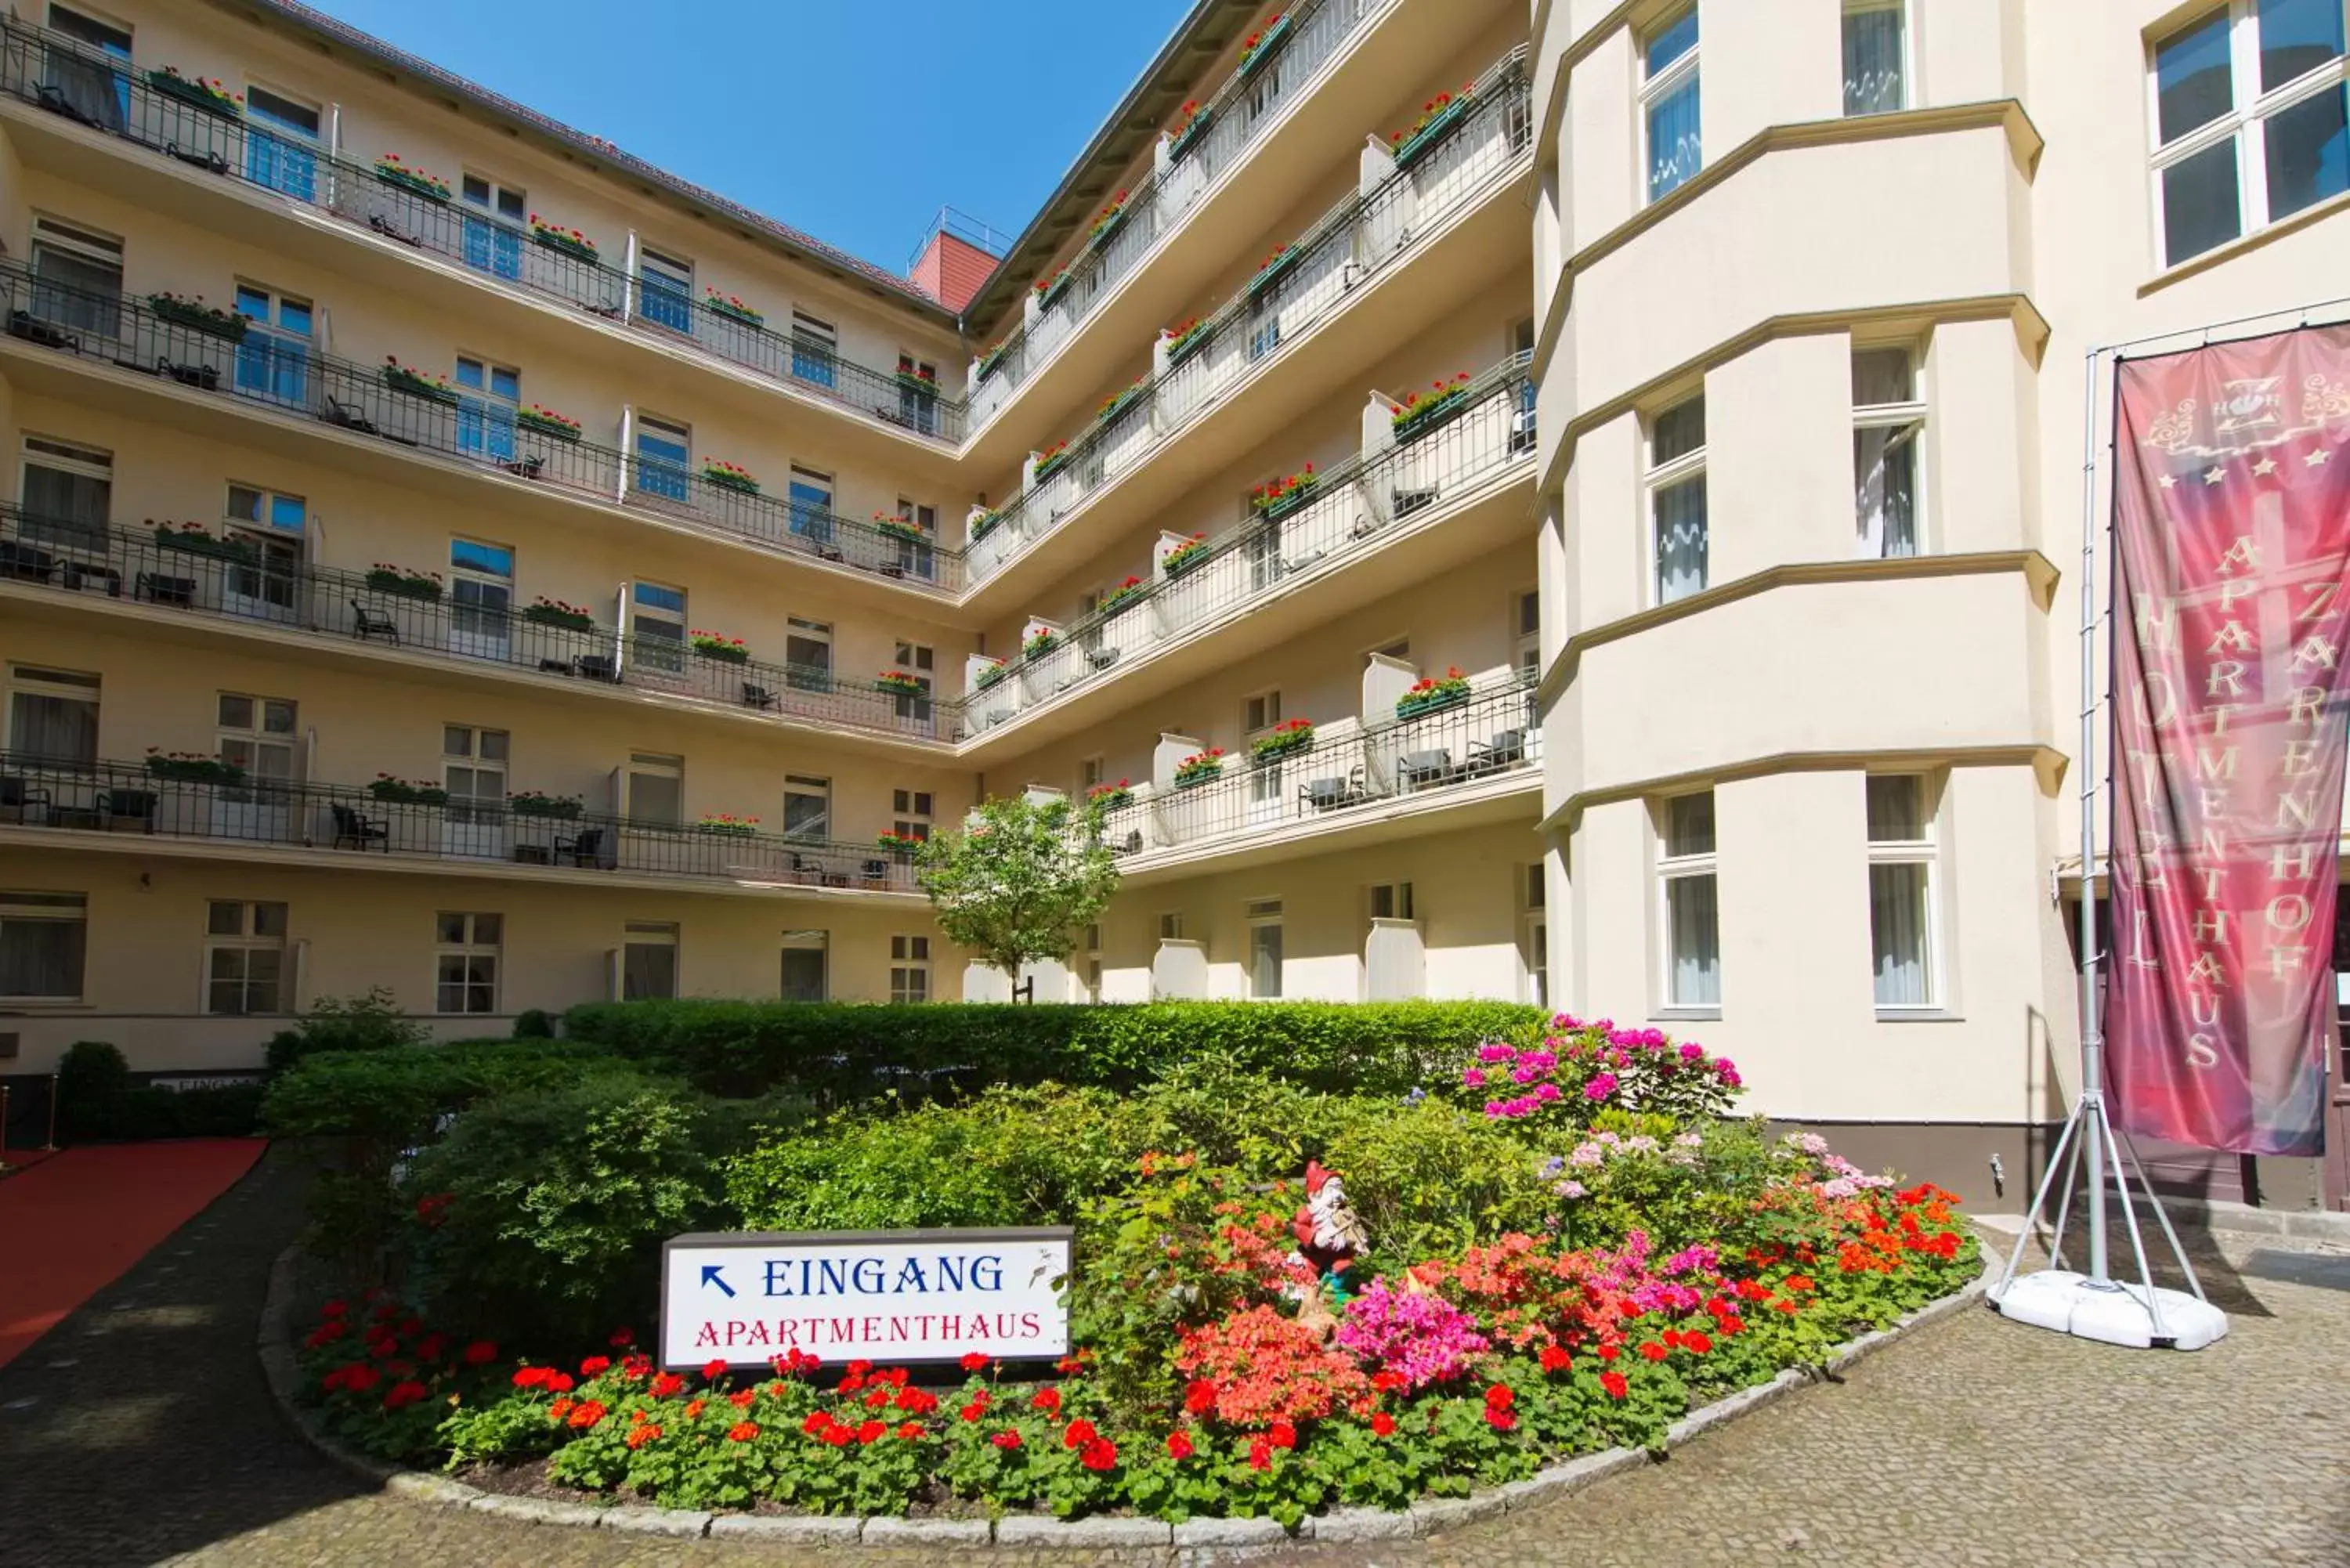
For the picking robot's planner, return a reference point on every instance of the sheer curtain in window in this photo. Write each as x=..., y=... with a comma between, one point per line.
x=1692, y=910
x=1681, y=539
x=1897, y=920
x=1873, y=77
x=55, y=728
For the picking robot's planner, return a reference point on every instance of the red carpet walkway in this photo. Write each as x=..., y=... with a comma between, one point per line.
x=72, y=1224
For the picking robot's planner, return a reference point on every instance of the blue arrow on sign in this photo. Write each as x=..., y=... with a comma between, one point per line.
x=709, y=1276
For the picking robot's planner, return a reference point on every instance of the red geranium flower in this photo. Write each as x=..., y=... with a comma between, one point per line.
x=622, y=1338
x=1080, y=1434
x=595, y=1365
x=693, y=1409
x=1260, y=1455
x=714, y=1370
x=558, y=1381
x=1555, y=1358
x=1653, y=1351
x=586, y=1413
x=335, y=1308
x=1281, y=1435
x=481, y=1353
x=643, y=1434
x=1614, y=1385
x=871, y=1431
x=667, y=1384
x=1178, y=1444
x=407, y=1393
x=530, y=1377
x=1101, y=1454
x=1383, y=1425
x=1697, y=1341
x=909, y=1430
x=1006, y=1438
x=1047, y=1400
x=1199, y=1397
x=742, y=1431
x=973, y=1361
x=1499, y=1397
x=741, y=1398
x=974, y=1410
x=817, y=1420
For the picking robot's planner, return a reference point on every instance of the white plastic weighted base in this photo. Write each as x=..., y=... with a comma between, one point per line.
x=2114, y=1313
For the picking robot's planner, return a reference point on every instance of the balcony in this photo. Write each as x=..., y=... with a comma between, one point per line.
x=128, y=806
x=91, y=89
x=1358, y=776
x=425, y=416
x=1416, y=486
x=215, y=577
x=1402, y=208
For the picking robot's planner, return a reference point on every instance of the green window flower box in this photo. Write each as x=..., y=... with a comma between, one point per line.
x=1290, y=500
x=554, y=428
x=723, y=652
x=740, y=484
x=1107, y=230
x=194, y=543
x=1282, y=742
x=1189, y=137
x=187, y=312
x=1190, y=343
x=903, y=686
x=562, y=808
x=1050, y=295
x=728, y=829
x=1124, y=599
x=1111, y=799
x=920, y=386
x=400, y=792
x=567, y=244
x=1424, y=142
x=1425, y=703
x=549, y=615
x=735, y=312
x=986, y=525
x=993, y=360
x=414, y=183
x=194, y=770
x=402, y=585
x=1117, y=405
x=1276, y=269
x=907, y=532
x=1194, y=775
x=1427, y=416
x=1257, y=59
x=990, y=676
x=1051, y=466
x=1186, y=559
x=400, y=378
x=201, y=94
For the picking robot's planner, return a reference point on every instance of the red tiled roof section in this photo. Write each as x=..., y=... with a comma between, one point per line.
x=342, y=33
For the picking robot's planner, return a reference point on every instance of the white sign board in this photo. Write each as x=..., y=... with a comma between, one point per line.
x=895, y=1297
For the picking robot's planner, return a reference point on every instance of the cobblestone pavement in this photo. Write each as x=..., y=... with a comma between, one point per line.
x=140, y=1430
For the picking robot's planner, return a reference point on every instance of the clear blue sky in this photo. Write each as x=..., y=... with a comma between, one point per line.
x=854, y=122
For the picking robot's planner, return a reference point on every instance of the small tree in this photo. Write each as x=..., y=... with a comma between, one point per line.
x=1017, y=883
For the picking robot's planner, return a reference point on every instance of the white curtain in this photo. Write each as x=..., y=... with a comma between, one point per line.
x=1681, y=539
x=1897, y=920
x=1872, y=60
x=1884, y=490
x=1693, y=922
x=1676, y=149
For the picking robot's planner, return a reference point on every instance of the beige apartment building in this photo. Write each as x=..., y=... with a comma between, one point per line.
x=1679, y=598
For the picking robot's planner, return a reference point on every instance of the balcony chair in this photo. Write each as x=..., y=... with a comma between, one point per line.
x=523, y=467
x=156, y=588
x=586, y=849
x=876, y=874
x=33, y=330
x=27, y=561
x=203, y=377
x=1503, y=752
x=392, y=231
x=1419, y=770
x=370, y=623
x=349, y=417
x=1407, y=502
x=85, y=574
x=1130, y=845
x=1101, y=657
x=1291, y=567
x=1328, y=795
x=127, y=810
x=20, y=797
x=596, y=666
x=353, y=831
x=555, y=667
x=759, y=697
x=202, y=158
x=808, y=870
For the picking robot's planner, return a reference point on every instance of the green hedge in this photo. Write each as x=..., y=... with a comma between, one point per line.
x=393, y=1096
x=97, y=1100
x=848, y=1050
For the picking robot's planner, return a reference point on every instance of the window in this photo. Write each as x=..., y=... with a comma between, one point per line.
x=1537, y=935
x=656, y=790
x=1692, y=937
x=657, y=619
x=909, y=969
x=1091, y=770
x=922, y=664
x=1875, y=57
x=1392, y=901
x=665, y=295
x=1889, y=419
x=1668, y=103
x=1170, y=927
x=273, y=360
x=912, y=807
x=68, y=493
x=807, y=807
x=271, y=525
x=807, y=654
x=648, y=962
x=77, y=277
x=810, y=504
x=1528, y=648
x=918, y=559
x=803, y=965
x=281, y=142
x=257, y=734
x=481, y=597
x=917, y=394
x=2249, y=121
x=43, y=939
x=245, y=959
x=1901, y=890
x=663, y=452
x=814, y=349
x=493, y=225
x=1093, y=970
x=473, y=771
x=465, y=962
x=52, y=715
x=485, y=409
x=1264, y=948
x=1677, y=498
x=100, y=91
x=1259, y=713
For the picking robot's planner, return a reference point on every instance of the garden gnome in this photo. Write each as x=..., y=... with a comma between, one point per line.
x=1329, y=1232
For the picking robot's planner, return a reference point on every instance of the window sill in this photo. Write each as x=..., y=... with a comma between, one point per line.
x=2242, y=244
x=1686, y=1014
x=1918, y=1015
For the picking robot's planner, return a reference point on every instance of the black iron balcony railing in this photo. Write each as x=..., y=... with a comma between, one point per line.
x=254, y=364
x=206, y=800
x=1352, y=764
x=183, y=122
x=1226, y=126
x=221, y=573
x=1349, y=509
x=1307, y=281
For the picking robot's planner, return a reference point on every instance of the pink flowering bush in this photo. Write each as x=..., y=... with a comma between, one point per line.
x=1423, y=1339
x=1577, y=1069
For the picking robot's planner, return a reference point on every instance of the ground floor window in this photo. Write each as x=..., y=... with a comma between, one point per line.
x=909, y=969
x=465, y=961
x=43, y=939
x=244, y=958
x=1688, y=902
x=1264, y=948
x=648, y=962
x=803, y=965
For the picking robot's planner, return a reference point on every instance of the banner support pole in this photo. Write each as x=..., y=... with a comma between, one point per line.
x=2093, y=1084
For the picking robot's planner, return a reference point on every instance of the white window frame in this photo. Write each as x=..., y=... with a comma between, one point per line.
x=1171, y=925
x=1401, y=905
x=802, y=941
x=909, y=969
x=1925, y=851
x=655, y=934
x=912, y=813
x=491, y=205
x=255, y=739
x=1907, y=415
x=1259, y=915
x=29, y=906
x=1671, y=868
x=1526, y=648
x=1682, y=72
x=75, y=460
x=652, y=765
x=1908, y=52
x=249, y=939
x=807, y=787
x=2245, y=123
x=1670, y=474
x=469, y=946
x=468, y=749
x=1259, y=711
x=61, y=685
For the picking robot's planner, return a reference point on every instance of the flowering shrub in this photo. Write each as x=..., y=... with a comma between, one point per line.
x=989, y=674
x=405, y=582
x=897, y=843
x=1049, y=459
x=898, y=525
x=407, y=378
x=1117, y=402
x=545, y=611
x=727, y=823
x=1260, y=1366
x=1258, y=46
x=210, y=92
x=1189, y=126
x=533, y=416
x=903, y=683
x=1578, y=1067
x=1107, y=221
x=1118, y=597
x=1186, y=336
x=1440, y=107
x=1040, y=639
x=1419, y=1339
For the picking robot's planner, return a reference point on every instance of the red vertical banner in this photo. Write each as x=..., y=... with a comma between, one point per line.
x=2232, y=541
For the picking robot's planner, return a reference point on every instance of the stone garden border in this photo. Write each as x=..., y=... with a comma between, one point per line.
x=1028, y=1531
